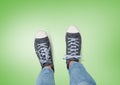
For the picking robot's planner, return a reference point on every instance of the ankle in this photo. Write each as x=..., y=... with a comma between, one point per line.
x=71, y=63
x=49, y=66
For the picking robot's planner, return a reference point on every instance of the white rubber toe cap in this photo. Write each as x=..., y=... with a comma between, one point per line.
x=41, y=34
x=72, y=29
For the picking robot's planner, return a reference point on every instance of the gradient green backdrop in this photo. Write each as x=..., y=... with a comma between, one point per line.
x=98, y=22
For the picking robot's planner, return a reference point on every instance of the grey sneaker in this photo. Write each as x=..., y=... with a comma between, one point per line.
x=43, y=49
x=73, y=45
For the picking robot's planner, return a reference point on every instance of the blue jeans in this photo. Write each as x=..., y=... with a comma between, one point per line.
x=77, y=72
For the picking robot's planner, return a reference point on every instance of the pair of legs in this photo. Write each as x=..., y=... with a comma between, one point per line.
x=77, y=72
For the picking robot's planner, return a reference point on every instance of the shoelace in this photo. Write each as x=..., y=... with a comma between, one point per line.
x=43, y=52
x=73, y=45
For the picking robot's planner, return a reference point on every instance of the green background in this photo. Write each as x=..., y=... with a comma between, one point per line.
x=98, y=22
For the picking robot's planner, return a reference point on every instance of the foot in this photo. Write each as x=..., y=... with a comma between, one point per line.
x=73, y=45
x=43, y=49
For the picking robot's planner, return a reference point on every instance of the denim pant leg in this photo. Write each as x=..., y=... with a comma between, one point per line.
x=46, y=77
x=79, y=76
